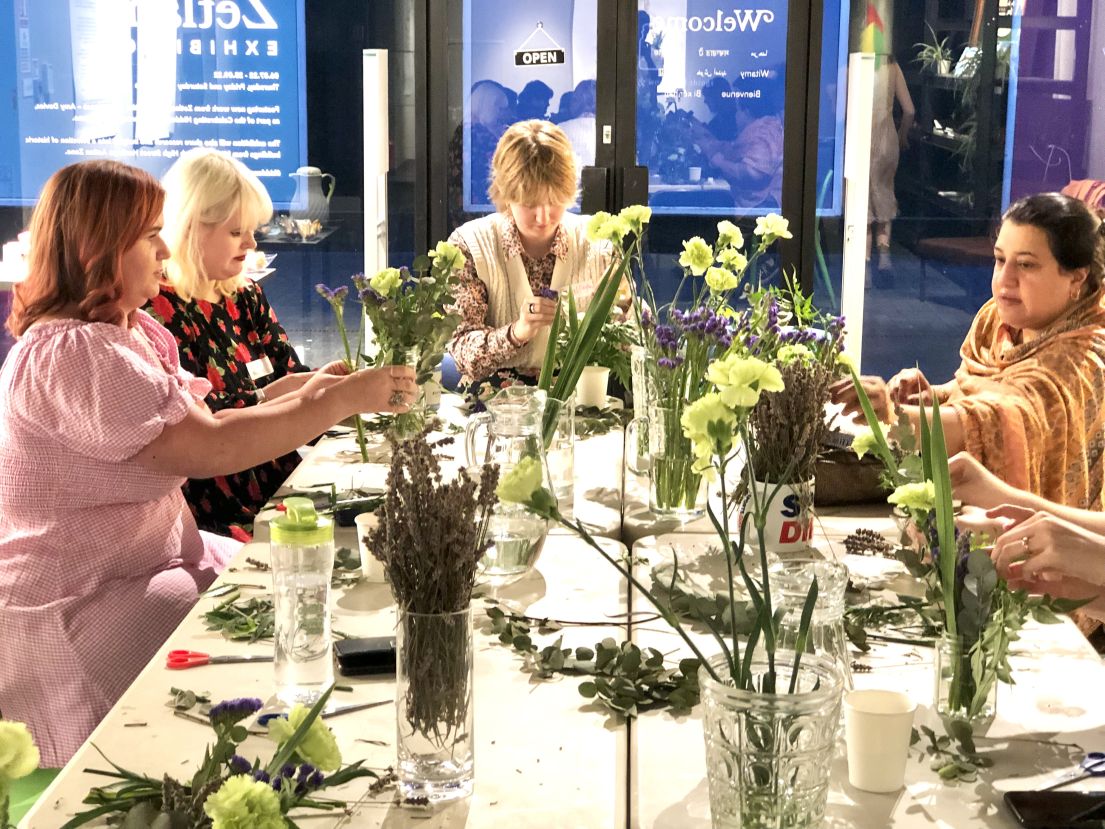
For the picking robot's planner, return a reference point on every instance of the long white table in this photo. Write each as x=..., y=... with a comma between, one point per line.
x=547, y=757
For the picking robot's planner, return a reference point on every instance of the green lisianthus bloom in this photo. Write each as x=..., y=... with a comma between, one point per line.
x=864, y=442
x=318, y=746
x=447, y=257
x=595, y=224
x=244, y=803
x=720, y=280
x=772, y=227
x=740, y=380
x=637, y=216
x=733, y=259
x=18, y=752
x=729, y=235
x=697, y=256
x=386, y=281
x=793, y=353
x=918, y=497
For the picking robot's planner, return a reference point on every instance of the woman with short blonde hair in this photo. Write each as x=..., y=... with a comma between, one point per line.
x=518, y=258
x=225, y=329
x=206, y=188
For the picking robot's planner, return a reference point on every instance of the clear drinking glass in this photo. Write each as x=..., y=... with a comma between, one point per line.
x=790, y=582
x=956, y=699
x=433, y=705
x=302, y=557
x=560, y=453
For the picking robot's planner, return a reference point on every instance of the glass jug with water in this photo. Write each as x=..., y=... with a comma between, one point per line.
x=302, y=553
x=513, y=421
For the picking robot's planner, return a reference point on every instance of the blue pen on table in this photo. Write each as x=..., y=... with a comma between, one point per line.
x=1092, y=765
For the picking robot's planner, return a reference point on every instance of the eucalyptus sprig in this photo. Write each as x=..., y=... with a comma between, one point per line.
x=250, y=620
x=624, y=678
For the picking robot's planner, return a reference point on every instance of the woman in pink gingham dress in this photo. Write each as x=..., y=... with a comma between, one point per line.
x=100, y=558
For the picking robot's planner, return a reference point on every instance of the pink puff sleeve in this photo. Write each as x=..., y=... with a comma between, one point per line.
x=105, y=391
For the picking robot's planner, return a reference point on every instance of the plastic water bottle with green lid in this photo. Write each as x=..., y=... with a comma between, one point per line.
x=302, y=553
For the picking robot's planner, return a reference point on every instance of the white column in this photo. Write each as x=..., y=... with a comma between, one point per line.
x=857, y=175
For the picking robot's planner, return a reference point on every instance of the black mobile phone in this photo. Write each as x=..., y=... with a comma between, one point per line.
x=365, y=657
x=1056, y=809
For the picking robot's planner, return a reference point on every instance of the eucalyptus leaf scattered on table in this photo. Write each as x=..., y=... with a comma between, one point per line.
x=624, y=678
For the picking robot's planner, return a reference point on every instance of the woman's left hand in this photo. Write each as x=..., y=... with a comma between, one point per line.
x=1047, y=547
x=844, y=392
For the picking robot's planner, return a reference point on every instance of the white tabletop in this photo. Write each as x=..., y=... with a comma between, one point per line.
x=1053, y=708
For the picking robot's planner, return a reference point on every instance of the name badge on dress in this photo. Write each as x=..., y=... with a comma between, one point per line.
x=259, y=368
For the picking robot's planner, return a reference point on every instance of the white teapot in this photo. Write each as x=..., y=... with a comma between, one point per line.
x=309, y=201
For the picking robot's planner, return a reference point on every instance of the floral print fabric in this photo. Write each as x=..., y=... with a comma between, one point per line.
x=218, y=341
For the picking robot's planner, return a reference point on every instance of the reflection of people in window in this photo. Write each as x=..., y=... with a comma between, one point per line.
x=488, y=114
x=717, y=96
x=887, y=142
x=648, y=83
x=533, y=101
x=752, y=162
x=580, y=128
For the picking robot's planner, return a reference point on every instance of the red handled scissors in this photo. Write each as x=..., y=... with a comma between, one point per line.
x=178, y=660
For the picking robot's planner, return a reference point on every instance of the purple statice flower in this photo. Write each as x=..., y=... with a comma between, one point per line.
x=370, y=295
x=305, y=771
x=287, y=770
x=772, y=313
x=666, y=337
x=360, y=281
x=316, y=780
x=332, y=295
x=239, y=764
x=646, y=318
x=548, y=293
x=233, y=711
x=670, y=363
x=262, y=776
x=836, y=324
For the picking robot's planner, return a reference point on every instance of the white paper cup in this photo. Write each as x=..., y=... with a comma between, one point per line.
x=694, y=174
x=877, y=727
x=591, y=387
x=372, y=569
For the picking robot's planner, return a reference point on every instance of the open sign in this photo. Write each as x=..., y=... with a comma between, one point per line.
x=535, y=57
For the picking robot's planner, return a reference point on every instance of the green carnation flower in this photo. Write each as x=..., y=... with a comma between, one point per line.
x=637, y=216
x=729, y=235
x=447, y=257
x=244, y=803
x=318, y=746
x=697, y=256
x=740, y=380
x=710, y=426
x=733, y=259
x=772, y=227
x=595, y=224
x=18, y=752
x=792, y=353
x=520, y=484
x=918, y=497
x=386, y=281
x=721, y=280
x=864, y=442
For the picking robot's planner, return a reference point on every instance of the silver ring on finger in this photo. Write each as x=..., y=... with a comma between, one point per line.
x=532, y=310
x=1025, y=550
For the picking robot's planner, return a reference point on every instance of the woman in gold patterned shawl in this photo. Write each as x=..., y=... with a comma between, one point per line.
x=1028, y=399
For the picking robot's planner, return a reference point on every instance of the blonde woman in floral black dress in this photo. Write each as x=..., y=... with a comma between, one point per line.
x=225, y=329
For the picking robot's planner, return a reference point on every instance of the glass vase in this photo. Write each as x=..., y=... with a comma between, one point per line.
x=560, y=451
x=675, y=489
x=768, y=755
x=433, y=705
x=955, y=694
x=408, y=424
x=636, y=452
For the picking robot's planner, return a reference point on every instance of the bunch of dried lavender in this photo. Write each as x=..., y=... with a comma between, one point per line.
x=787, y=426
x=430, y=537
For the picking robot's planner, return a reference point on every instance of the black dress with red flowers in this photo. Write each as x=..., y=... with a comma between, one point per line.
x=220, y=341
